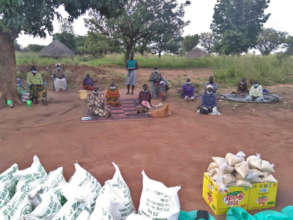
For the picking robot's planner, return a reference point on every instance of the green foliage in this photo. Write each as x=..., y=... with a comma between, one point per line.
x=189, y=42
x=237, y=24
x=289, y=45
x=207, y=41
x=267, y=70
x=270, y=40
x=142, y=23
x=34, y=48
x=96, y=44
x=36, y=17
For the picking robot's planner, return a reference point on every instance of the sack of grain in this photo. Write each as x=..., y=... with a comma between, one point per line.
x=158, y=201
x=114, y=201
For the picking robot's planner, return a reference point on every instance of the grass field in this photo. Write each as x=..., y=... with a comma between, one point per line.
x=227, y=69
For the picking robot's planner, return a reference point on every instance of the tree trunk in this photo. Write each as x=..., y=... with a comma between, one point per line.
x=160, y=54
x=128, y=53
x=7, y=70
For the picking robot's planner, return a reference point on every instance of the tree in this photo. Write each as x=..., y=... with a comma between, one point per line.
x=207, y=41
x=289, y=45
x=35, y=17
x=142, y=22
x=190, y=42
x=66, y=26
x=34, y=47
x=96, y=44
x=237, y=24
x=270, y=40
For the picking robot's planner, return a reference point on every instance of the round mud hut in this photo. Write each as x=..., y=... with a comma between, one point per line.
x=57, y=50
x=197, y=53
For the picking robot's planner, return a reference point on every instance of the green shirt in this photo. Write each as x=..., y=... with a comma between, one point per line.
x=32, y=79
x=131, y=64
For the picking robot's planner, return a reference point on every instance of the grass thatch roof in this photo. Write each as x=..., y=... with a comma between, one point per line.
x=197, y=52
x=56, y=49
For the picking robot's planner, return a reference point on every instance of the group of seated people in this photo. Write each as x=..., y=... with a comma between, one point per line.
x=36, y=85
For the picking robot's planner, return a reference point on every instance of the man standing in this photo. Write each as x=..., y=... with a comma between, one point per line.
x=155, y=79
x=131, y=66
x=36, y=85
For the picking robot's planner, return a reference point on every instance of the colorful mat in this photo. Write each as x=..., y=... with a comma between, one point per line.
x=127, y=110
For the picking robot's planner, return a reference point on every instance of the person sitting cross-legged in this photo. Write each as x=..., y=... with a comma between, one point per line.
x=59, y=79
x=255, y=92
x=96, y=104
x=209, y=101
x=144, y=100
x=188, y=91
x=163, y=90
x=242, y=87
x=113, y=96
x=88, y=83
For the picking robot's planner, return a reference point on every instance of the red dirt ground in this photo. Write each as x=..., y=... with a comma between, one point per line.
x=174, y=150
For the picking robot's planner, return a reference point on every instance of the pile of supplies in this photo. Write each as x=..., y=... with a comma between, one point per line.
x=239, y=181
x=32, y=194
x=236, y=170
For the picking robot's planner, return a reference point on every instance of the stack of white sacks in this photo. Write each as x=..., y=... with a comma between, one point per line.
x=32, y=194
x=237, y=170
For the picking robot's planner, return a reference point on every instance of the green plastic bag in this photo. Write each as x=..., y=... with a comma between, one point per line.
x=191, y=215
x=240, y=214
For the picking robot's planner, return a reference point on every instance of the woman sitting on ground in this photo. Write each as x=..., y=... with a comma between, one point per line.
x=163, y=90
x=256, y=93
x=242, y=87
x=144, y=100
x=96, y=104
x=113, y=96
x=188, y=91
x=209, y=101
x=88, y=83
x=60, y=82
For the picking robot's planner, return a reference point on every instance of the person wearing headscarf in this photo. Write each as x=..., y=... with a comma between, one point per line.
x=188, y=91
x=243, y=86
x=163, y=90
x=209, y=100
x=59, y=79
x=131, y=66
x=212, y=83
x=36, y=86
x=88, y=83
x=256, y=92
x=155, y=79
x=96, y=104
x=113, y=96
x=144, y=100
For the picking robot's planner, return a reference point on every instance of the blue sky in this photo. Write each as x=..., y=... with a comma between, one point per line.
x=200, y=15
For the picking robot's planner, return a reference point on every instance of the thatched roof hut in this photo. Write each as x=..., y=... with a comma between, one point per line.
x=196, y=53
x=56, y=49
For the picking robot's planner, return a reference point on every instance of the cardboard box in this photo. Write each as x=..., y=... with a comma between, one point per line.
x=221, y=202
x=263, y=196
x=260, y=196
